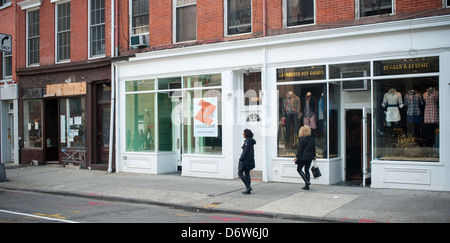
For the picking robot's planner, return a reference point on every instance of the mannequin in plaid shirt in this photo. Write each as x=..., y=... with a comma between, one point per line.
x=413, y=101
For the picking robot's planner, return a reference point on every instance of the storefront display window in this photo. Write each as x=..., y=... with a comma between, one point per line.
x=302, y=104
x=140, y=122
x=166, y=106
x=157, y=111
x=202, y=121
x=406, y=110
x=407, y=119
x=72, y=114
x=32, y=124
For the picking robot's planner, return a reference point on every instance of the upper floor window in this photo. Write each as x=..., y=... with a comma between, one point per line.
x=97, y=28
x=186, y=20
x=447, y=3
x=5, y=3
x=33, y=37
x=140, y=18
x=6, y=65
x=239, y=16
x=375, y=7
x=63, y=32
x=299, y=12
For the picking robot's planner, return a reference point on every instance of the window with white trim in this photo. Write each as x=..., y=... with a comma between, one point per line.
x=139, y=17
x=97, y=28
x=299, y=12
x=5, y=3
x=6, y=65
x=33, y=37
x=239, y=17
x=63, y=32
x=186, y=20
x=375, y=7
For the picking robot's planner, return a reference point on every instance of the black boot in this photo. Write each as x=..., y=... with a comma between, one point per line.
x=247, y=191
x=305, y=178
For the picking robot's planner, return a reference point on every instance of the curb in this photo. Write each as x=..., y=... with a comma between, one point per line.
x=310, y=219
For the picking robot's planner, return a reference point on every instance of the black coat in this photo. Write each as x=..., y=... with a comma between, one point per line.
x=247, y=159
x=306, y=148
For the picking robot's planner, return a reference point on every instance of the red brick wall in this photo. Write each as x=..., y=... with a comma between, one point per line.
x=334, y=11
x=210, y=19
x=414, y=6
x=79, y=32
x=160, y=18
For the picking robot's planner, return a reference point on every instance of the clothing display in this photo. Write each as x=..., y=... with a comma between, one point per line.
x=431, y=98
x=292, y=112
x=309, y=105
x=393, y=101
x=413, y=100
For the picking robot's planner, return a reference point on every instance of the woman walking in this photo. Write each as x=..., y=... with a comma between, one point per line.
x=247, y=160
x=306, y=152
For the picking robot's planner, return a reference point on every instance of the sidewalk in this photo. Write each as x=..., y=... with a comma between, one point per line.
x=322, y=203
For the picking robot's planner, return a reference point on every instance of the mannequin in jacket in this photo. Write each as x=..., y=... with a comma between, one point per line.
x=247, y=160
x=306, y=152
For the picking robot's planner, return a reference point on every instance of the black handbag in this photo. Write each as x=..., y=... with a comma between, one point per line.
x=315, y=170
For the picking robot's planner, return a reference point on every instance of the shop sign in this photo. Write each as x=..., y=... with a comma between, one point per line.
x=406, y=66
x=301, y=73
x=66, y=89
x=205, y=119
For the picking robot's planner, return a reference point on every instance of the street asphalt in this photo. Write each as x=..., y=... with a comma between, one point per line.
x=322, y=203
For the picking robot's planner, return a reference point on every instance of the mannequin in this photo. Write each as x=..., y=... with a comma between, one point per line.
x=309, y=105
x=393, y=101
x=320, y=112
x=413, y=101
x=431, y=116
x=292, y=112
x=431, y=98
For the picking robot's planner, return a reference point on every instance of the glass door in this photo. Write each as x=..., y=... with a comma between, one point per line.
x=367, y=143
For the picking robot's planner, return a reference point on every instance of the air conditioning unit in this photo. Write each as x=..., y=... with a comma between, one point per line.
x=139, y=40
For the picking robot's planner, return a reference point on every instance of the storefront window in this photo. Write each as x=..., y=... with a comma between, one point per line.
x=140, y=122
x=302, y=104
x=32, y=123
x=140, y=85
x=406, y=119
x=202, y=124
x=335, y=107
x=202, y=81
x=72, y=114
x=166, y=104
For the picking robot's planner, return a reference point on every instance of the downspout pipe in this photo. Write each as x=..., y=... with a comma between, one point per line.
x=113, y=85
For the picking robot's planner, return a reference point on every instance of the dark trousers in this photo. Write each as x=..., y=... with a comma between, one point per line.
x=245, y=177
x=305, y=175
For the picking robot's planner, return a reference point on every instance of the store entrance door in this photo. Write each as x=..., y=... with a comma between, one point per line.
x=358, y=146
x=50, y=133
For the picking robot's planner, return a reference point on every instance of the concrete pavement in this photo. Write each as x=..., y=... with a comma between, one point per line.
x=323, y=203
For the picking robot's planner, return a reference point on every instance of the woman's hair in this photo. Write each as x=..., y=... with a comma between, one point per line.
x=305, y=131
x=248, y=133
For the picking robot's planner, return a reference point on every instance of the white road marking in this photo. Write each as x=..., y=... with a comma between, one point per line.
x=37, y=216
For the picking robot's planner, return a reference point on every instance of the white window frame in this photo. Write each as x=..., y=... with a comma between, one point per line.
x=174, y=29
x=4, y=56
x=285, y=17
x=225, y=24
x=27, y=37
x=59, y=2
x=90, y=56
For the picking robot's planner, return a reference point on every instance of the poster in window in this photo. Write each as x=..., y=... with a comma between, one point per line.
x=205, y=117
